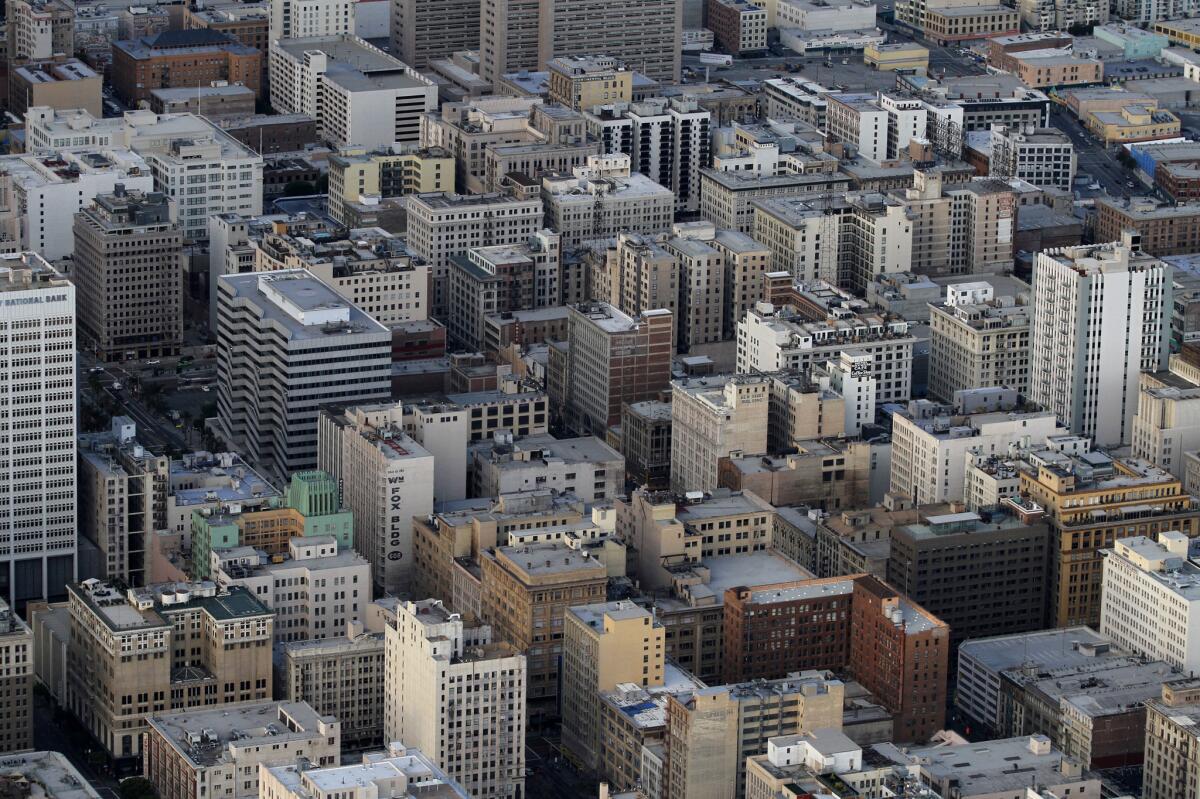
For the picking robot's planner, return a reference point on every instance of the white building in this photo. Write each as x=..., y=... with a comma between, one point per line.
x=584, y=466
x=770, y=340
x=315, y=590
x=1101, y=315
x=441, y=225
x=930, y=442
x=203, y=170
x=38, y=529
x=42, y=194
x=401, y=771
x=386, y=478
x=603, y=199
x=288, y=344
x=712, y=417
x=1044, y=157
x=838, y=15
x=1150, y=599
x=446, y=684
x=879, y=127
x=1167, y=424
x=358, y=94
x=853, y=376
x=298, y=19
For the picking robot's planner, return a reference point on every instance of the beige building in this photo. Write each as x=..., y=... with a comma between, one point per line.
x=399, y=770
x=1167, y=424
x=342, y=677
x=128, y=266
x=962, y=228
x=583, y=82
x=422, y=31
x=711, y=418
x=208, y=752
x=525, y=593
x=1171, y=767
x=355, y=174
x=603, y=199
x=747, y=260
x=711, y=732
x=726, y=197
x=639, y=274
x=702, y=287
x=38, y=30
x=445, y=684
x=16, y=682
x=469, y=128
x=601, y=648
x=977, y=339
x=59, y=83
x=201, y=647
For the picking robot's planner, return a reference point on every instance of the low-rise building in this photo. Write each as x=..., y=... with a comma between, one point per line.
x=53, y=774
x=1172, y=744
x=399, y=770
x=1042, y=156
x=738, y=26
x=60, y=82
x=177, y=59
x=585, y=467
x=977, y=339
x=1164, y=229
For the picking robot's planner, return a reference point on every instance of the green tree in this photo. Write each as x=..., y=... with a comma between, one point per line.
x=138, y=788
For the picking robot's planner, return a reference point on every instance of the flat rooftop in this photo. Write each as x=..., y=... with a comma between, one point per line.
x=240, y=725
x=310, y=302
x=1001, y=766
x=50, y=770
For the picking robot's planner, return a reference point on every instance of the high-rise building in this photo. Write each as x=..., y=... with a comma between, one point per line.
x=301, y=326
x=712, y=418
x=297, y=19
x=38, y=543
x=198, y=646
x=458, y=695
x=129, y=269
x=16, y=682
x=386, y=478
x=1101, y=315
x=508, y=38
x=1149, y=598
x=422, y=31
x=122, y=498
x=604, y=645
x=234, y=742
x=611, y=359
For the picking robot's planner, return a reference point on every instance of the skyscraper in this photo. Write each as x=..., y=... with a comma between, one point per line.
x=37, y=364
x=1101, y=315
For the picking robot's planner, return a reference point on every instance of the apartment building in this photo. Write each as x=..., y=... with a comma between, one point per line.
x=636, y=273
x=959, y=228
x=1090, y=500
x=878, y=127
x=773, y=339
x=39, y=323
x=298, y=19
x=387, y=478
x=393, y=171
x=711, y=732
x=249, y=23
x=358, y=94
x=202, y=647
x=397, y=769
x=978, y=339
x=611, y=359
x=16, y=681
x=448, y=683
x=844, y=239
x=1164, y=429
x=441, y=225
x=514, y=408
x=487, y=280
x=746, y=261
x=828, y=473
x=525, y=592
x=1002, y=590
x=421, y=32
x=1043, y=156
x=601, y=643
x=1172, y=747
x=128, y=265
x=604, y=199
x=218, y=751
x=1162, y=229
x=646, y=443
x=712, y=417
x=1149, y=597
x=930, y=441
x=726, y=197
x=701, y=290
x=738, y=26
x=292, y=583
x=467, y=129
x=178, y=59
x=582, y=82
x=1103, y=303
x=122, y=499
x=40, y=29
x=340, y=676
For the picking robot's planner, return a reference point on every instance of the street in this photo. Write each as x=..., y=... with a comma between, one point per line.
x=1101, y=164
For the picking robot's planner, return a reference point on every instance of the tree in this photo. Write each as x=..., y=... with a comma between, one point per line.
x=138, y=788
x=299, y=188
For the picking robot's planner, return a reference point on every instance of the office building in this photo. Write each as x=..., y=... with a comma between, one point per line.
x=204, y=751
x=738, y=26
x=55, y=775
x=341, y=676
x=601, y=644
x=202, y=647
x=399, y=770
x=59, y=83
x=394, y=171
x=604, y=199
x=421, y=32
x=712, y=418
x=646, y=443
x=435, y=664
x=40, y=29
x=122, y=499
x=611, y=359
x=774, y=339
x=1090, y=500
x=182, y=59
x=583, y=82
x=1172, y=754
x=726, y=196
x=16, y=682
x=710, y=732
x=977, y=339
x=1099, y=304
x=293, y=319
x=1164, y=229
x=525, y=592
x=129, y=267
x=487, y=280
x=1043, y=156
x=299, y=19
x=43, y=491
x=386, y=479
x=358, y=94
x=585, y=467
x=441, y=225
x=1149, y=598
x=1164, y=429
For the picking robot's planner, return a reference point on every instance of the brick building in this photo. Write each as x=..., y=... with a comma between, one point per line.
x=177, y=59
